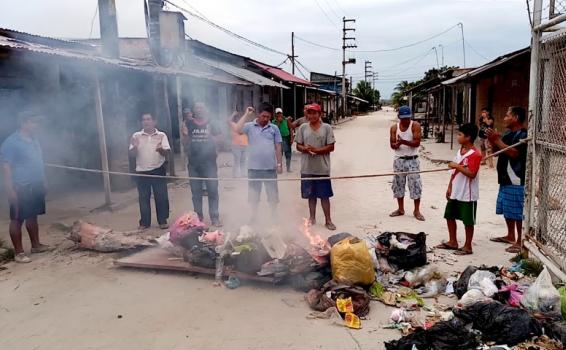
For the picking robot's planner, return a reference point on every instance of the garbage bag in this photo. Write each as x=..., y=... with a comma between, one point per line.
x=351, y=262
x=556, y=330
x=444, y=335
x=406, y=259
x=251, y=261
x=500, y=323
x=542, y=297
x=461, y=285
x=182, y=224
x=471, y=297
x=488, y=287
x=477, y=277
x=332, y=240
x=423, y=275
x=360, y=298
x=318, y=300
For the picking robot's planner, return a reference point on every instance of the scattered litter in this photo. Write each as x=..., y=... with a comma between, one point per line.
x=233, y=282
x=351, y=262
x=540, y=343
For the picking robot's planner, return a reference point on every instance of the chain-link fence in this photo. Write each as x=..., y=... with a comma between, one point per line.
x=547, y=184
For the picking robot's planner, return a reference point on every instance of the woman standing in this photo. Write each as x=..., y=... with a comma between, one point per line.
x=239, y=147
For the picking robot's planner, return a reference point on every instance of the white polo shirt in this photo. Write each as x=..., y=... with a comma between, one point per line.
x=148, y=158
x=465, y=189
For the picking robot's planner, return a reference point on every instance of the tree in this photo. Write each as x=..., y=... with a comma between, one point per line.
x=365, y=91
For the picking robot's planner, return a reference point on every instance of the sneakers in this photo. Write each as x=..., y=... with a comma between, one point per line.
x=22, y=258
x=164, y=226
x=41, y=249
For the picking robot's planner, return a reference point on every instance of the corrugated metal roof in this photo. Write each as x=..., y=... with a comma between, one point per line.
x=357, y=98
x=281, y=74
x=132, y=64
x=330, y=92
x=241, y=73
x=495, y=63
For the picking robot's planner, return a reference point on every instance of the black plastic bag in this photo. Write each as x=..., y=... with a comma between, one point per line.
x=445, y=335
x=332, y=240
x=405, y=259
x=500, y=323
x=556, y=330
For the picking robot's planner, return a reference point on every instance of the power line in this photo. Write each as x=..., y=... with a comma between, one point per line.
x=331, y=8
x=227, y=31
x=302, y=65
x=282, y=63
x=385, y=50
x=325, y=13
x=315, y=44
x=194, y=9
x=339, y=6
x=92, y=22
x=300, y=71
x=476, y=51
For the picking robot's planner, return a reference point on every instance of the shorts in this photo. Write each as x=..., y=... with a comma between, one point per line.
x=400, y=181
x=271, y=187
x=511, y=202
x=463, y=211
x=30, y=202
x=316, y=188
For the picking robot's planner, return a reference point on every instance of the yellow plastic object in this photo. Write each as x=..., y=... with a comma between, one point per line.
x=352, y=321
x=345, y=305
x=351, y=262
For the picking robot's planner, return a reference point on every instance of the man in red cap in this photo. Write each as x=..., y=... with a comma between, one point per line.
x=315, y=141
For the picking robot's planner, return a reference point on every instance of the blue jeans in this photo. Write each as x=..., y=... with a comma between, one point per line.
x=206, y=168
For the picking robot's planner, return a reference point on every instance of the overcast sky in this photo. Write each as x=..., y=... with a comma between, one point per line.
x=491, y=28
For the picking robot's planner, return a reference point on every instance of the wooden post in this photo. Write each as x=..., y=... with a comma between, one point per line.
x=180, y=118
x=102, y=142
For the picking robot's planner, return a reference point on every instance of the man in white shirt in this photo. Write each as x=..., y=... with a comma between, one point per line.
x=150, y=147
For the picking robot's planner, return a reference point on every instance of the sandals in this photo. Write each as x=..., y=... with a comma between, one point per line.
x=397, y=213
x=444, y=245
x=501, y=240
x=330, y=226
x=419, y=216
x=462, y=251
x=515, y=249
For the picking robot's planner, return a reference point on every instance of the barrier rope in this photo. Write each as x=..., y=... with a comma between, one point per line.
x=237, y=179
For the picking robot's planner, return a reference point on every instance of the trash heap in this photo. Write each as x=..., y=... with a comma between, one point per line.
x=494, y=308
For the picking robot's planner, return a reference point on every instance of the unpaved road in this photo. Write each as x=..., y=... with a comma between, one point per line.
x=77, y=300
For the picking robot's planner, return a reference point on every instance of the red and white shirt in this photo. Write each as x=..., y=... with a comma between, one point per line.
x=465, y=189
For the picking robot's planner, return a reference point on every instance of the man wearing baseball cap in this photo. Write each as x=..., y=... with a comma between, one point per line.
x=315, y=140
x=405, y=140
x=286, y=134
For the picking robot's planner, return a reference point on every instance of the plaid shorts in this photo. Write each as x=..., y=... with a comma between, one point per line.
x=511, y=202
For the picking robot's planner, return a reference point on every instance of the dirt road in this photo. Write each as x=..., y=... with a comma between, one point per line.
x=78, y=300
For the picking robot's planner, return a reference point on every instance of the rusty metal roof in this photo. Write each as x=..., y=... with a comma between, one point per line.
x=124, y=63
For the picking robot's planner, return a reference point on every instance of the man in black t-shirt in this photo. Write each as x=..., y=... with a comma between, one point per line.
x=511, y=169
x=203, y=135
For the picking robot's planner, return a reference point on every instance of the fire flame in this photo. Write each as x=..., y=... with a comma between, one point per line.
x=314, y=239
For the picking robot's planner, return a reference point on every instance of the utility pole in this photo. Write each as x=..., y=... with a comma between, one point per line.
x=436, y=52
x=442, y=50
x=292, y=57
x=368, y=70
x=346, y=44
x=463, y=43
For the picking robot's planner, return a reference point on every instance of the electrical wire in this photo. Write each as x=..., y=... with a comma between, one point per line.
x=339, y=6
x=325, y=14
x=92, y=21
x=315, y=44
x=194, y=9
x=300, y=71
x=475, y=51
x=331, y=9
x=282, y=63
x=381, y=50
x=227, y=31
x=302, y=65
x=412, y=44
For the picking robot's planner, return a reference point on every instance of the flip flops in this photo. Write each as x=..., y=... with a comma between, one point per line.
x=515, y=249
x=397, y=213
x=419, y=216
x=330, y=226
x=463, y=252
x=501, y=240
x=444, y=245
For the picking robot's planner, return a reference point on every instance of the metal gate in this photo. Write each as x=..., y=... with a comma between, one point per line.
x=546, y=175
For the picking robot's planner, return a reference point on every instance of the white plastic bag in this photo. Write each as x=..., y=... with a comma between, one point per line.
x=488, y=288
x=477, y=277
x=542, y=296
x=471, y=297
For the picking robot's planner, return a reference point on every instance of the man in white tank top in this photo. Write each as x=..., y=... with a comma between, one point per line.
x=405, y=140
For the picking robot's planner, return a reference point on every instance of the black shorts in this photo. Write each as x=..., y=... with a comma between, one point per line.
x=316, y=188
x=30, y=202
